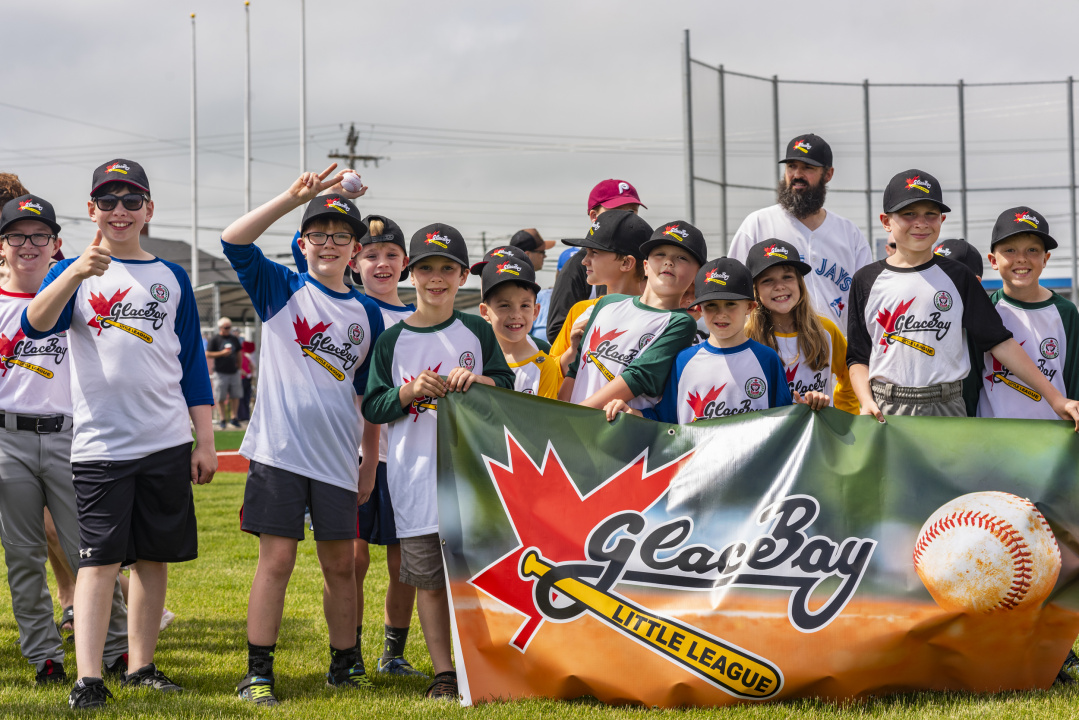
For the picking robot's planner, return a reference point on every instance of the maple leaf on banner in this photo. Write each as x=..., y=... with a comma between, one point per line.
x=558, y=520
x=103, y=307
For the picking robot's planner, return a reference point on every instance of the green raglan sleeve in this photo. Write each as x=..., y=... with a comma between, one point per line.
x=571, y=371
x=648, y=372
x=1069, y=317
x=494, y=362
x=382, y=400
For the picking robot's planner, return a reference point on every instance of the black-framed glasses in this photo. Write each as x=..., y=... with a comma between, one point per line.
x=36, y=239
x=132, y=202
x=320, y=238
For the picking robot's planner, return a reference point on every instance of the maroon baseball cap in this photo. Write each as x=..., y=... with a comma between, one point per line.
x=613, y=194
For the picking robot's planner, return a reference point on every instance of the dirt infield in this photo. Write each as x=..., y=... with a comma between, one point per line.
x=231, y=461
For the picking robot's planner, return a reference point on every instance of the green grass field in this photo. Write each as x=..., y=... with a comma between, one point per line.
x=205, y=650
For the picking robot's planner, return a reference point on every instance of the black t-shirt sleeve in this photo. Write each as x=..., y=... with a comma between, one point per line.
x=983, y=324
x=859, y=344
x=570, y=287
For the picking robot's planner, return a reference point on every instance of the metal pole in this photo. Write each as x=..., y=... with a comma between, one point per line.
x=303, y=88
x=687, y=111
x=963, y=159
x=868, y=173
x=723, y=159
x=194, y=168
x=1071, y=188
x=775, y=120
x=247, y=106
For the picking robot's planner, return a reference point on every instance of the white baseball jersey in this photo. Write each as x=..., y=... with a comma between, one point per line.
x=402, y=353
x=832, y=379
x=836, y=250
x=315, y=354
x=34, y=374
x=137, y=361
x=391, y=315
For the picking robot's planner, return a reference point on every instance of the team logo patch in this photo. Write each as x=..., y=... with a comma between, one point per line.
x=622, y=187
x=595, y=226
x=355, y=334
x=755, y=387
x=1026, y=217
x=467, y=361
x=30, y=206
x=433, y=238
x=316, y=343
x=1049, y=348
x=715, y=276
x=942, y=251
x=117, y=168
x=339, y=205
x=107, y=312
x=159, y=292
x=421, y=404
x=916, y=183
x=676, y=232
x=500, y=252
x=509, y=267
x=803, y=146
x=10, y=349
x=645, y=339
x=776, y=251
x=942, y=301
x=837, y=306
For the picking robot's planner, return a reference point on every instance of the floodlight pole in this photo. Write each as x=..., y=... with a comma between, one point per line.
x=963, y=159
x=194, y=167
x=303, y=88
x=723, y=159
x=247, y=106
x=868, y=172
x=687, y=111
x=1071, y=186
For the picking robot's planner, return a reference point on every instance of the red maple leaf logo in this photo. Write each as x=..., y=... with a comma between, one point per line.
x=791, y=371
x=305, y=332
x=886, y=319
x=598, y=336
x=418, y=405
x=558, y=521
x=7, y=349
x=998, y=367
x=697, y=404
x=103, y=307
x=911, y=182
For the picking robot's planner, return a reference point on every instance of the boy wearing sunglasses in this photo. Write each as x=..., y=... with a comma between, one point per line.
x=138, y=383
x=304, y=433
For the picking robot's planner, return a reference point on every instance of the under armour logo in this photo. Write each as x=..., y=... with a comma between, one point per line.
x=622, y=187
x=84, y=553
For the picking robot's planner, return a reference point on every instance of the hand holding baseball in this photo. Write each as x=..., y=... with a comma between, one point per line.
x=309, y=185
x=94, y=260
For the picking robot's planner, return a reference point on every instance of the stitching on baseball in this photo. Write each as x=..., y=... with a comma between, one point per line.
x=1003, y=531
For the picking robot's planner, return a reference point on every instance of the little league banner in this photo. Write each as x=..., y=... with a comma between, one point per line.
x=779, y=554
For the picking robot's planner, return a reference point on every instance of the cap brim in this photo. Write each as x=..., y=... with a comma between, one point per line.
x=436, y=253
x=806, y=160
x=619, y=201
x=477, y=268
x=486, y=289
x=718, y=296
x=44, y=221
x=586, y=243
x=548, y=244
x=123, y=180
x=1047, y=239
x=647, y=245
x=910, y=201
x=803, y=268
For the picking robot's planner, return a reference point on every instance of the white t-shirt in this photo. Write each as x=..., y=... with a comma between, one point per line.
x=391, y=315
x=35, y=376
x=836, y=250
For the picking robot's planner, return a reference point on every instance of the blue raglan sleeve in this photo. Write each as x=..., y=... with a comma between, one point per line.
x=195, y=380
x=297, y=254
x=269, y=284
x=666, y=410
x=779, y=392
x=64, y=321
x=377, y=325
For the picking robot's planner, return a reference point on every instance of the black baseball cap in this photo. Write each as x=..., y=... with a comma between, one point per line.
x=28, y=207
x=960, y=250
x=120, y=170
x=810, y=149
x=526, y=240
x=911, y=186
x=335, y=206
x=617, y=231
x=391, y=233
x=680, y=234
x=508, y=269
x=722, y=279
x=498, y=254
x=1022, y=219
x=438, y=239
x=771, y=252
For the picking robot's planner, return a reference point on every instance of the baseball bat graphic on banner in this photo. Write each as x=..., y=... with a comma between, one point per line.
x=126, y=328
x=719, y=663
x=911, y=343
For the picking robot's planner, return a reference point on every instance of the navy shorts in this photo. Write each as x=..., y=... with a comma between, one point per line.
x=275, y=499
x=140, y=509
x=374, y=522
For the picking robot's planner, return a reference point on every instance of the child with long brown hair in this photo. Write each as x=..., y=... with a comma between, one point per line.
x=811, y=347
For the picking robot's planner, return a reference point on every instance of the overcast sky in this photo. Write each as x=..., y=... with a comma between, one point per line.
x=497, y=116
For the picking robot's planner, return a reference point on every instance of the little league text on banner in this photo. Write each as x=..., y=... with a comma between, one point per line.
x=778, y=554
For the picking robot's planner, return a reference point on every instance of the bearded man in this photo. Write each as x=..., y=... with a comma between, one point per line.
x=831, y=244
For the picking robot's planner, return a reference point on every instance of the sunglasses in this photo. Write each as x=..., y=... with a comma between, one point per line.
x=132, y=202
x=320, y=238
x=37, y=239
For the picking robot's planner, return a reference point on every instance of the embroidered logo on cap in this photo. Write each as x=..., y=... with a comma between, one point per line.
x=916, y=183
x=594, y=228
x=433, y=238
x=117, y=167
x=679, y=234
x=509, y=267
x=622, y=187
x=717, y=277
x=30, y=206
x=776, y=251
x=943, y=251
x=500, y=252
x=339, y=205
x=803, y=146
x=1026, y=217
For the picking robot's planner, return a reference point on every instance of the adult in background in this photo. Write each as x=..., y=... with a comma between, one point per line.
x=532, y=243
x=832, y=245
x=224, y=349
x=571, y=286
x=543, y=299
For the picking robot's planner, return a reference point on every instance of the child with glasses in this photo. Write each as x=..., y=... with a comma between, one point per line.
x=138, y=383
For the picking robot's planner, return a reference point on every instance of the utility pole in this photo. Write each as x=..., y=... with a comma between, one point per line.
x=483, y=241
x=352, y=139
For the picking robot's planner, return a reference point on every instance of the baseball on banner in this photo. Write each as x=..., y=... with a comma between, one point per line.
x=987, y=551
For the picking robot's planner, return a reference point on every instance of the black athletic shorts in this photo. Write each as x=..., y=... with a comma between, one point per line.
x=139, y=509
x=374, y=521
x=275, y=499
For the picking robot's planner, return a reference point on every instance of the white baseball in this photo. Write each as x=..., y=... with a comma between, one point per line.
x=351, y=182
x=987, y=551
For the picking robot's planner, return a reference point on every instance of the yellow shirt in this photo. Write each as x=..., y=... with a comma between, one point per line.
x=561, y=343
x=538, y=375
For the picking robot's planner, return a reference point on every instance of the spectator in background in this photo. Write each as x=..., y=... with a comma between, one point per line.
x=543, y=299
x=224, y=350
x=533, y=245
x=247, y=372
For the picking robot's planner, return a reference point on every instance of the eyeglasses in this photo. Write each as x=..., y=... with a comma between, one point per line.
x=132, y=202
x=37, y=239
x=320, y=238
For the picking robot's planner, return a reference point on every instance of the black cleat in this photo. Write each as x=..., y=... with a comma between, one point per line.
x=149, y=677
x=257, y=690
x=51, y=672
x=88, y=694
x=118, y=669
x=443, y=687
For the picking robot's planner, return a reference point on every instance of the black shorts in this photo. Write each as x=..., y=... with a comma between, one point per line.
x=275, y=499
x=374, y=519
x=139, y=509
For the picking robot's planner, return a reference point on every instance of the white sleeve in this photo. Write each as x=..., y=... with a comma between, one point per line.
x=744, y=239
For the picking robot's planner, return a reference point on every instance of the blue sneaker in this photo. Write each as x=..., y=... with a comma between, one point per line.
x=257, y=690
x=399, y=666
